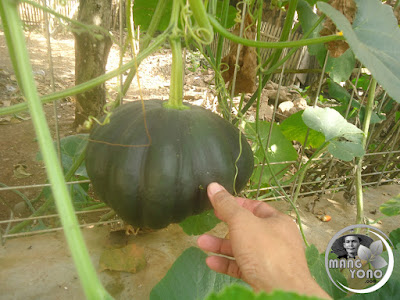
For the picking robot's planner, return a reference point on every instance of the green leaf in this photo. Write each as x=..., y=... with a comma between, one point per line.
x=339, y=93
x=345, y=150
x=143, y=11
x=236, y=292
x=340, y=68
x=71, y=148
x=331, y=123
x=392, y=207
x=295, y=129
x=190, y=278
x=307, y=19
x=199, y=224
x=394, y=236
x=374, y=38
x=316, y=264
x=231, y=14
x=280, y=150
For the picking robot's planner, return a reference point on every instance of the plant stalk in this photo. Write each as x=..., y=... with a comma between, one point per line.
x=367, y=121
x=88, y=277
x=273, y=45
x=175, y=100
x=17, y=47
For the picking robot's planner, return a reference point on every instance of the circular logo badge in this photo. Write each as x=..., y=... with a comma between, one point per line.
x=357, y=254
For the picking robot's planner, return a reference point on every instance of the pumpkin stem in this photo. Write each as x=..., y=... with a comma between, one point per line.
x=176, y=85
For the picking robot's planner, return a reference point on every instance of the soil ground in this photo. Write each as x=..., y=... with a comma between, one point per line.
x=40, y=266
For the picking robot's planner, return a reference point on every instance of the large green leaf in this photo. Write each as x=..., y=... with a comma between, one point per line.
x=199, y=224
x=236, y=292
x=332, y=124
x=143, y=11
x=374, y=38
x=280, y=150
x=295, y=129
x=316, y=264
x=339, y=69
x=190, y=278
x=392, y=207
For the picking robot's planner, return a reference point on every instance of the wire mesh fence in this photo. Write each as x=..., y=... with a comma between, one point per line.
x=326, y=173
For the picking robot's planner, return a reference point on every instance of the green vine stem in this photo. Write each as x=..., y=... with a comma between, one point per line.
x=95, y=81
x=175, y=100
x=367, y=121
x=274, y=45
x=200, y=15
x=88, y=277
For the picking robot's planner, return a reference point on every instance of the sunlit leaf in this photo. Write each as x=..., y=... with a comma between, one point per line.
x=295, y=129
x=331, y=123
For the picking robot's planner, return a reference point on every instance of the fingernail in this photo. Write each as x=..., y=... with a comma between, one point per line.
x=214, y=188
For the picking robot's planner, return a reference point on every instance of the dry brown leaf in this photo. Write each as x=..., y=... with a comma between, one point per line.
x=246, y=75
x=348, y=8
x=129, y=258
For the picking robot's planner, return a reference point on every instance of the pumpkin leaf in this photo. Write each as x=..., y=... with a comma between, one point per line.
x=199, y=224
x=340, y=68
x=295, y=129
x=345, y=150
x=71, y=148
x=316, y=264
x=190, y=278
x=395, y=236
x=392, y=207
x=143, y=11
x=237, y=292
x=126, y=259
x=280, y=149
x=374, y=38
x=332, y=124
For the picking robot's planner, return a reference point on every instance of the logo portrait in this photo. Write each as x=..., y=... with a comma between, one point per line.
x=364, y=255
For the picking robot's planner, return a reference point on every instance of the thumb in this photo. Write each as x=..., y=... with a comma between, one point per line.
x=225, y=205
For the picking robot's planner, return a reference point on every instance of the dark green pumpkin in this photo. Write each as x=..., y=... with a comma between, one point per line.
x=153, y=186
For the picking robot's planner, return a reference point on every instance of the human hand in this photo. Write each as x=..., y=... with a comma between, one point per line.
x=265, y=245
